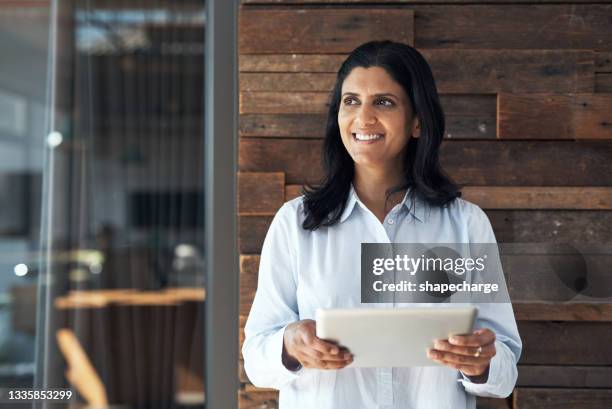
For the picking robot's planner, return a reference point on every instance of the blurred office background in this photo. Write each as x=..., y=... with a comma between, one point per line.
x=102, y=200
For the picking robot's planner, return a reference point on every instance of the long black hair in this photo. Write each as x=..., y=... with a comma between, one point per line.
x=324, y=204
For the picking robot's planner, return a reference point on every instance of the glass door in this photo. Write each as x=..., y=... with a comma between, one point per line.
x=122, y=289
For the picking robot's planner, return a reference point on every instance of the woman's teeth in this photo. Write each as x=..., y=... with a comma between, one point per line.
x=366, y=137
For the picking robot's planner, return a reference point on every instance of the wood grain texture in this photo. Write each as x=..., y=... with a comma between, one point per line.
x=475, y=163
x=512, y=26
x=546, y=398
x=547, y=116
x=552, y=226
x=330, y=30
x=283, y=102
x=538, y=197
x=258, y=399
x=564, y=376
x=260, y=193
x=566, y=343
x=455, y=71
x=513, y=71
x=251, y=233
x=285, y=126
x=307, y=63
x=563, y=312
x=603, y=82
x=603, y=61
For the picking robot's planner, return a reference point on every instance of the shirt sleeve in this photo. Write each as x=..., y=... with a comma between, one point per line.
x=274, y=307
x=498, y=317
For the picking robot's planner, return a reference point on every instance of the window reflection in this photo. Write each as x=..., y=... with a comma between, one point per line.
x=101, y=195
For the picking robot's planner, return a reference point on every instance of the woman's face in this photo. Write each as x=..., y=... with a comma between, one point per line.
x=375, y=118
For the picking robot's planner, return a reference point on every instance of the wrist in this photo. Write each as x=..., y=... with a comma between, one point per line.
x=288, y=360
x=482, y=378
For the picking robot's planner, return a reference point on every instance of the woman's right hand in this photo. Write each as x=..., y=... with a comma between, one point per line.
x=302, y=347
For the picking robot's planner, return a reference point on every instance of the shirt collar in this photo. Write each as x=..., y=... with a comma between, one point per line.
x=416, y=207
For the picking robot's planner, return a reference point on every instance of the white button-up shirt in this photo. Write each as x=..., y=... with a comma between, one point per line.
x=303, y=270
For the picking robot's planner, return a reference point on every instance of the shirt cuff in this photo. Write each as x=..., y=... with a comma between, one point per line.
x=495, y=384
x=276, y=342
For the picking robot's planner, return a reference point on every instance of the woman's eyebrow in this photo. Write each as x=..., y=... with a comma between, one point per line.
x=385, y=94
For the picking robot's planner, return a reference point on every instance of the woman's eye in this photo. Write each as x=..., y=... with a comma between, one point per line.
x=350, y=101
x=386, y=102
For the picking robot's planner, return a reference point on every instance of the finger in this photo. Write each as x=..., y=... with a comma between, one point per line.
x=468, y=370
x=314, y=354
x=483, y=351
x=478, y=338
x=323, y=346
x=457, y=359
x=322, y=364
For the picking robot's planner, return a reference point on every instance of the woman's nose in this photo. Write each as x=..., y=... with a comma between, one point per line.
x=365, y=116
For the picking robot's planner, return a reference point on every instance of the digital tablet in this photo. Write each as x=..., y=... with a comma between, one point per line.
x=392, y=337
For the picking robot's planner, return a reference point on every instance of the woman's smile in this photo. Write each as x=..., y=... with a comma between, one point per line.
x=367, y=138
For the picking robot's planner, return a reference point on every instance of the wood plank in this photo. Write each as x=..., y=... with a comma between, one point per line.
x=563, y=312
x=242, y=376
x=475, y=163
x=258, y=400
x=528, y=163
x=551, y=26
x=284, y=102
x=286, y=81
x=566, y=343
x=552, y=226
x=286, y=126
x=513, y=71
x=455, y=71
x=251, y=232
x=564, y=376
x=265, y=155
x=330, y=30
x=548, y=116
x=260, y=193
x=603, y=82
x=248, y=287
x=249, y=263
x=548, y=398
x=603, y=61
x=544, y=197
x=292, y=191
x=493, y=403
x=329, y=63
x=467, y=116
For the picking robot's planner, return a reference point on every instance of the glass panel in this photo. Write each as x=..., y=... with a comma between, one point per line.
x=23, y=47
x=107, y=139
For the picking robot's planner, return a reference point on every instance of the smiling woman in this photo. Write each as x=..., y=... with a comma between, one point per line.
x=382, y=184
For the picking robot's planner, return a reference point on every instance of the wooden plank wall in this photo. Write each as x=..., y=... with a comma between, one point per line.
x=527, y=90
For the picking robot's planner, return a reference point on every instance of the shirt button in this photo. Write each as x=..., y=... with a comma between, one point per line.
x=390, y=221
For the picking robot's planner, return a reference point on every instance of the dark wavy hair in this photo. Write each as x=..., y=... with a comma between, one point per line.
x=324, y=203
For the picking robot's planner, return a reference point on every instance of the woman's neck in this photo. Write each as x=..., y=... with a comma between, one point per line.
x=372, y=184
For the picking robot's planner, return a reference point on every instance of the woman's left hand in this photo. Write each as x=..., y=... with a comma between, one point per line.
x=471, y=354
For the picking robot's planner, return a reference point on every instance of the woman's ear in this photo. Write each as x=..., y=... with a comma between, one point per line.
x=416, y=128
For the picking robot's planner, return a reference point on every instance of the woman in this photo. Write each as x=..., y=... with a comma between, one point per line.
x=383, y=183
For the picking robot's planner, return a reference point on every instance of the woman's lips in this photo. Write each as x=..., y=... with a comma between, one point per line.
x=367, y=138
